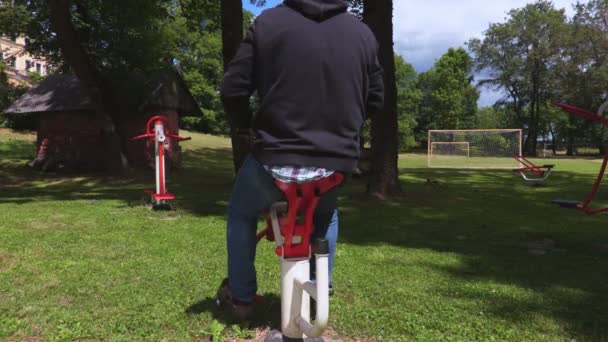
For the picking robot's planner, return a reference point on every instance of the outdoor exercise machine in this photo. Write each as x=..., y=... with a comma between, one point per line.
x=531, y=172
x=290, y=226
x=586, y=206
x=158, y=131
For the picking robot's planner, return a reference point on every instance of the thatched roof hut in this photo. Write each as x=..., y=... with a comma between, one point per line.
x=67, y=130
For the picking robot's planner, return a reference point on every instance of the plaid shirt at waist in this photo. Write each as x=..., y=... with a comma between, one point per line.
x=295, y=174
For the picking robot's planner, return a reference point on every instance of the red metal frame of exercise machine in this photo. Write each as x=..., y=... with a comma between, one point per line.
x=586, y=206
x=531, y=172
x=157, y=130
x=301, y=202
x=290, y=225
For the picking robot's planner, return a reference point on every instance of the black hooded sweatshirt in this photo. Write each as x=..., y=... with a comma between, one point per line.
x=317, y=75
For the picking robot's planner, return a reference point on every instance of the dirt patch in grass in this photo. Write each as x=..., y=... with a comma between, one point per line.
x=66, y=301
x=26, y=339
x=43, y=225
x=6, y=263
x=330, y=335
x=37, y=335
x=603, y=247
x=542, y=247
x=165, y=218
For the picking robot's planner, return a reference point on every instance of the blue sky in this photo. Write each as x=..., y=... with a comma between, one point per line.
x=256, y=10
x=424, y=30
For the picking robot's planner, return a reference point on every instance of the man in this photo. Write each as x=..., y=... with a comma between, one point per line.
x=316, y=72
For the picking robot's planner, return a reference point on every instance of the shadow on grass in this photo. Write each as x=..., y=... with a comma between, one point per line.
x=202, y=185
x=505, y=230
x=267, y=312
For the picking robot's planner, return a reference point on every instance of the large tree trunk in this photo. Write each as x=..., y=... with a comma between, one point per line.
x=553, y=143
x=384, y=177
x=93, y=81
x=531, y=141
x=91, y=78
x=232, y=35
x=570, y=145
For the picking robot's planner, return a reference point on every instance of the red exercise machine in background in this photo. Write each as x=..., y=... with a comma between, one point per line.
x=158, y=130
x=531, y=172
x=586, y=206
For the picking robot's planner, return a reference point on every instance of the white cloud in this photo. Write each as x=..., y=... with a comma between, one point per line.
x=425, y=30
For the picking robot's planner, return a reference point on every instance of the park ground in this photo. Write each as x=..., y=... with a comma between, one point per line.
x=463, y=255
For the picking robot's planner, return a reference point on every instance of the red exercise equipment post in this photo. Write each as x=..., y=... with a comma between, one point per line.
x=158, y=130
x=291, y=227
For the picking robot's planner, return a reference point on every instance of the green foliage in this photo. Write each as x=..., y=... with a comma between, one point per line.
x=408, y=97
x=582, y=72
x=198, y=57
x=199, y=60
x=448, y=97
x=116, y=35
x=8, y=94
x=491, y=118
x=34, y=76
x=14, y=18
x=121, y=36
x=521, y=57
x=216, y=331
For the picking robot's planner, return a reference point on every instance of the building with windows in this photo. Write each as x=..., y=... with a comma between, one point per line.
x=18, y=62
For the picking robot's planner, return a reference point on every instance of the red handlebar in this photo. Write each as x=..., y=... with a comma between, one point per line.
x=150, y=133
x=178, y=138
x=143, y=136
x=582, y=113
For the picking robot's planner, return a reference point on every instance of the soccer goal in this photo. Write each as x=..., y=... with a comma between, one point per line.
x=474, y=149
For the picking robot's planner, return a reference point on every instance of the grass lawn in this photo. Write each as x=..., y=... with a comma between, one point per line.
x=470, y=255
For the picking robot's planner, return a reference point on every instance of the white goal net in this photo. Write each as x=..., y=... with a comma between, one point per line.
x=479, y=149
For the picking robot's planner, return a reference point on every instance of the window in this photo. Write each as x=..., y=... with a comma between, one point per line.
x=12, y=61
x=28, y=65
x=38, y=68
x=1, y=56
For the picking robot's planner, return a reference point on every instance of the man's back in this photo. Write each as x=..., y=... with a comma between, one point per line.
x=316, y=72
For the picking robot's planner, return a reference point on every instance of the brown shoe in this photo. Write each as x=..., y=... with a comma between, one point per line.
x=239, y=310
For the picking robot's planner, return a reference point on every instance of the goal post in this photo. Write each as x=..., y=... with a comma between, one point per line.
x=474, y=149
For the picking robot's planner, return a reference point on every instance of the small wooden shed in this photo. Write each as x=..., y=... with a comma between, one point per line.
x=67, y=131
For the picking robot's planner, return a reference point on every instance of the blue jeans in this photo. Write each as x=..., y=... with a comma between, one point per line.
x=254, y=191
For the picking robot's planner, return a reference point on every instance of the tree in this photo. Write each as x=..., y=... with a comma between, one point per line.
x=408, y=99
x=384, y=177
x=97, y=40
x=449, y=99
x=232, y=35
x=582, y=73
x=491, y=118
x=199, y=58
x=103, y=40
x=8, y=94
x=520, y=57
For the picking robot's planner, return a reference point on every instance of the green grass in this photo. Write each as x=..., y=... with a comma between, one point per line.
x=473, y=162
x=470, y=255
